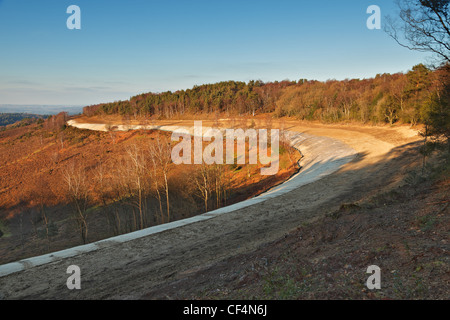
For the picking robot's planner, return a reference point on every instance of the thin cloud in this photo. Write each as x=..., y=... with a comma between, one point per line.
x=23, y=82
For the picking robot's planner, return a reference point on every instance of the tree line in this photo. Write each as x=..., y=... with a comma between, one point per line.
x=386, y=98
x=23, y=118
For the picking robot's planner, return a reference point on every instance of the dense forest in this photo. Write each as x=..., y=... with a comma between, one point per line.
x=11, y=118
x=387, y=98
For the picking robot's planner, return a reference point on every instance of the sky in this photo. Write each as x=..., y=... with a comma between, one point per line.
x=130, y=47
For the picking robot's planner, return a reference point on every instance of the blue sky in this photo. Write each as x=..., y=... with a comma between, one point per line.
x=129, y=47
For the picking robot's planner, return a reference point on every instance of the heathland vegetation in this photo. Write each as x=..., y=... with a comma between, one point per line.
x=61, y=186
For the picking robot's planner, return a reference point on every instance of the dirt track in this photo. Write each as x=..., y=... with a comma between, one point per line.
x=130, y=270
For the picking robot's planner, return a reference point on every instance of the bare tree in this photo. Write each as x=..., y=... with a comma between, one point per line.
x=161, y=156
x=57, y=122
x=104, y=188
x=221, y=184
x=123, y=186
x=211, y=182
x=203, y=184
x=155, y=179
x=390, y=112
x=397, y=90
x=40, y=195
x=424, y=25
x=78, y=192
x=137, y=171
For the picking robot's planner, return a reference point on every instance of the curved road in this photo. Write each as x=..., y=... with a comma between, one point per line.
x=128, y=270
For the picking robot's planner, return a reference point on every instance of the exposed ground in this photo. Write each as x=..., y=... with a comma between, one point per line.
x=220, y=253
x=405, y=232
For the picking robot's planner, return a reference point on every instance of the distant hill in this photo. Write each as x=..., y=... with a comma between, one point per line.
x=40, y=109
x=10, y=118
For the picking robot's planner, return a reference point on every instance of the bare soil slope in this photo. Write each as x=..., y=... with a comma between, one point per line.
x=405, y=232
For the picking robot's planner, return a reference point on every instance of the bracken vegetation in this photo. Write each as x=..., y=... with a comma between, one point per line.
x=61, y=186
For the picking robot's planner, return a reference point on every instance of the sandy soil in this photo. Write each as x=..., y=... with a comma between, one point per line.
x=131, y=270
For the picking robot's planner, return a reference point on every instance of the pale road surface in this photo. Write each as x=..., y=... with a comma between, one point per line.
x=129, y=270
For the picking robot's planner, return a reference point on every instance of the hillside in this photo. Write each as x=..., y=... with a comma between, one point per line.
x=23, y=118
x=404, y=231
x=243, y=151
x=158, y=263
x=41, y=163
